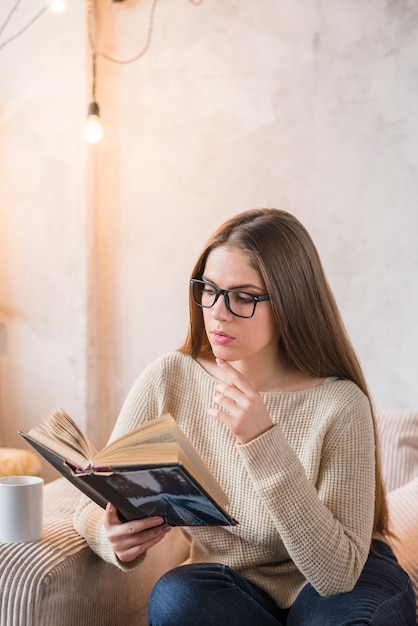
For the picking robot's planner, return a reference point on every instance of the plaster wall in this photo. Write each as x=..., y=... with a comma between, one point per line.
x=305, y=106
x=43, y=242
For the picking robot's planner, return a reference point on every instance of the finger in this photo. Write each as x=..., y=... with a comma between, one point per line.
x=141, y=525
x=226, y=393
x=134, y=537
x=130, y=552
x=132, y=527
x=233, y=376
x=222, y=416
x=111, y=516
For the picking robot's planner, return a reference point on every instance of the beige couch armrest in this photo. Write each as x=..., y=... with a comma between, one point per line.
x=60, y=581
x=398, y=433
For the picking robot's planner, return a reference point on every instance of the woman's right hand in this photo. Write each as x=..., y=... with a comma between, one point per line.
x=130, y=539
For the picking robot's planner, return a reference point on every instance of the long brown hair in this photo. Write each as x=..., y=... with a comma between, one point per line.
x=312, y=334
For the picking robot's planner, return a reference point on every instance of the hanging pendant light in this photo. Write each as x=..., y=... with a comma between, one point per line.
x=93, y=129
x=58, y=6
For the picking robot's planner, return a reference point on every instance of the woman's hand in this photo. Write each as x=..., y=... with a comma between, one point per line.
x=130, y=539
x=241, y=406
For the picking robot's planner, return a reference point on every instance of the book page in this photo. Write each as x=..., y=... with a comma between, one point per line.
x=62, y=435
x=158, y=435
x=160, y=441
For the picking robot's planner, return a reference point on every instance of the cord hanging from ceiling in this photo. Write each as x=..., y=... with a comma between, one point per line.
x=93, y=131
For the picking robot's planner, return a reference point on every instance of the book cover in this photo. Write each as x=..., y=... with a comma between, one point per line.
x=165, y=490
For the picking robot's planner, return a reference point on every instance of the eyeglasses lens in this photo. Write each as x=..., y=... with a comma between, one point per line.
x=239, y=303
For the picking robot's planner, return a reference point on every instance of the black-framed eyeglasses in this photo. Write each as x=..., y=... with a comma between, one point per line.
x=239, y=303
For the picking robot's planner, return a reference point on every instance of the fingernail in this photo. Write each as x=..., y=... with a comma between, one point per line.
x=220, y=361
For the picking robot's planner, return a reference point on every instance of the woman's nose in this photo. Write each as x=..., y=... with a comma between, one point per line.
x=219, y=309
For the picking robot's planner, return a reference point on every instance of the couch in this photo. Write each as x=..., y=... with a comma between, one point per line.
x=58, y=581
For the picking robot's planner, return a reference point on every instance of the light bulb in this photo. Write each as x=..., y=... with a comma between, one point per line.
x=93, y=130
x=58, y=6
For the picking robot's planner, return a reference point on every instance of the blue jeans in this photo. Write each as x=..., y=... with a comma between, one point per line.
x=208, y=594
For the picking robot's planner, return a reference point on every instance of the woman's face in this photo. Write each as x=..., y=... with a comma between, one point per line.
x=233, y=338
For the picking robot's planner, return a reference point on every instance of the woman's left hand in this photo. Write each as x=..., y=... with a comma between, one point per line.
x=241, y=406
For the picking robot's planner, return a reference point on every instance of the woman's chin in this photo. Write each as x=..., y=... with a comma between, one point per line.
x=220, y=352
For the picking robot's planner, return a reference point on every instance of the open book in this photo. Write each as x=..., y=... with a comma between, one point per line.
x=152, y=470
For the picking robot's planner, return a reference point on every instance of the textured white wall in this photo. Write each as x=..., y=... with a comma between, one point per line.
x=42, y=216
x=310, y=107
x=304, y=106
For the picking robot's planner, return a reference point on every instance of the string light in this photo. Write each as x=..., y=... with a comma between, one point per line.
x=93, y=129
x=90, y=20
x=23, y=29
x=58, y=6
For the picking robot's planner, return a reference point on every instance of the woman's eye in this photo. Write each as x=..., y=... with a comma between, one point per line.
x=209, y=291
x=244, y=298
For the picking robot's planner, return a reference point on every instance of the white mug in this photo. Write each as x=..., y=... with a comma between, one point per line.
x=21, y=508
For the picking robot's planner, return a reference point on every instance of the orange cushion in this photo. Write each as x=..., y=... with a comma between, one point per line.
x=16, y=462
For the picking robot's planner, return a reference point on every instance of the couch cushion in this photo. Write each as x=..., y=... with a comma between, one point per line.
x=59, y=581
x=398, y=433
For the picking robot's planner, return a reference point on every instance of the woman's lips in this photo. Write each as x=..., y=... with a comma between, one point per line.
x=220, y=338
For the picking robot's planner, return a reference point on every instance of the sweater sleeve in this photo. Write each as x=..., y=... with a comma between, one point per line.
x=144, y=402
x=88, y=522
x=326, y=527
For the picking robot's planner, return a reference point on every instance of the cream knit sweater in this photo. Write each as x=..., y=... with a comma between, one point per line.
x=303, y=492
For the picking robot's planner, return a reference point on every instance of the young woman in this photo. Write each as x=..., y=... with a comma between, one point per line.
x=268, y=389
